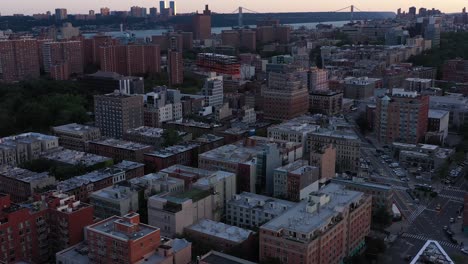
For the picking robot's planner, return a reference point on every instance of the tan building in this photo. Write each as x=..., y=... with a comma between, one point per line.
x=21, y=183
x=75, y=136
x=325, y=228
x=347, y=144
x=325, y=158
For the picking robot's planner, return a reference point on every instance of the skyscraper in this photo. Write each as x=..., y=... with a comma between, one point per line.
x=105, y=11
x=162, y=6
x=68, y=52
x=19, y=60
x=153, y=11
x=172, y=6
x=60, y=14
x=130, y=59
x=412, y=11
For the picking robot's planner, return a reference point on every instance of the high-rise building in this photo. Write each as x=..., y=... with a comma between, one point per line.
x=153, y=12
x=326, y=227
x=116, y=113
x=19, y=60
x=213, y=91
x=136, y=11
x=162, y=6
x=175, y=67
x=244, y=39
x=412, y=11
x=105, y=11
x=131, y=59
x=68, y=52
x=172, y=6
x=60, y=14
x=219, y=63
x=92, y=48
x=402, y=117
x=286, y=95
x=201, y=24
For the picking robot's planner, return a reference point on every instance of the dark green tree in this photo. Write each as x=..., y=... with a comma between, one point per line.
x=171, y=137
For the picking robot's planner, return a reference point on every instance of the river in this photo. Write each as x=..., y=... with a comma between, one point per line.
x=215, y=30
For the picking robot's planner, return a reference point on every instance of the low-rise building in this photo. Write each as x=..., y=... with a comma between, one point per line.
x=76, y=136
x=21, y=184
x=17, y=149
x=326, y=102
x=325, y=159
x=173, y=212
x=184, y=154
x=75, y=157
x=115, y=200
x=424, y=156
x=152, y=136
x=325, y=228
x=119, y=149
x=220, y=236
x=382, y=195
x=157, y=182
x=294, y=130
x=249, y=210
x=437, y=126
x=360, y=88
x=82, y=186
x=457, y=106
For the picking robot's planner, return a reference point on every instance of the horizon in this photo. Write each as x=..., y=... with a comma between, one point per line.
x=29, y=7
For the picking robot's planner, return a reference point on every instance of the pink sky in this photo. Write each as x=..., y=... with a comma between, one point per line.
x=227, y=6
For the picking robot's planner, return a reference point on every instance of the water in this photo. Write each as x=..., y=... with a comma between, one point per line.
x=215, y=30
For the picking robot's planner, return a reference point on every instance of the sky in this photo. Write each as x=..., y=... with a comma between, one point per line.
x=9, y=7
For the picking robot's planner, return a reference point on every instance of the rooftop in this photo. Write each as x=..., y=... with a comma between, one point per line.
x=306, y=216
x=304, y=124
x=220, y=230
x=117, y=143
x=361, y=183
x=173, y=150
x=336, y=133
x=75, y=128
x=23, y=174
x=107, y=227
x=437, y=114
x=208, y=138
x=262, y=203
x=116, y=193
x=74, y=157
x=78, y=252
x=432, y=252
x=27, y=137
x=194, y=194
x=214, y=257
x=231, y=153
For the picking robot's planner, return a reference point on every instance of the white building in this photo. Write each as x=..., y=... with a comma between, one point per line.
x=213, y=90
x=114, y=200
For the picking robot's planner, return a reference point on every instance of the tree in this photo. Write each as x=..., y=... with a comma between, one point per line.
x=171, y=137
x=382, y=217
x=363, y=123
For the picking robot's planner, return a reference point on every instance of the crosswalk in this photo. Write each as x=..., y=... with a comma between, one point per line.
x=415, y=214
x=424, y=238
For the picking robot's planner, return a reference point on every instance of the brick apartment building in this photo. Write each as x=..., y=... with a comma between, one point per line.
x=186, y=154
x=119, y=149
x=328, y=102
x=243, y=39
x=75, y=136
x=38, y=230
x=130, y=59
x=286, y=95
x=19, y=60
x=401, y=117
x=69, y=53
x=303, y=235
x=116, y=113
x=201, y=25
x=455, y=71
x=21, y=184
x=175, y=68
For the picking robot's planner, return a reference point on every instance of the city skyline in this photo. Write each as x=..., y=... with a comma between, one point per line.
x=188, y=6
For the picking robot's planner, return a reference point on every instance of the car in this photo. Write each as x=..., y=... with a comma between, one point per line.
x=459, y=217
x=445, y=227
x=452, y=220
x=464, y=251
x=438, y=207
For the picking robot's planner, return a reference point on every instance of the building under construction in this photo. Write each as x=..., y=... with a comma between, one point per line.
x=219, y=63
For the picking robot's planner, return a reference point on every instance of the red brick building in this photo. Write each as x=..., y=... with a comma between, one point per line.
x=175, y=67
x=201, y=25
x=286, y=95
x=325, y=228
x=131, y=59
x=402, y=117
x=244, y=39
x=455, y=71
x=179, y=154
x=68, y=55
x=19, y=60
x=121, y=240
x=119, y=149
x=274, y=33
x=38, y=230
x=91, y=48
